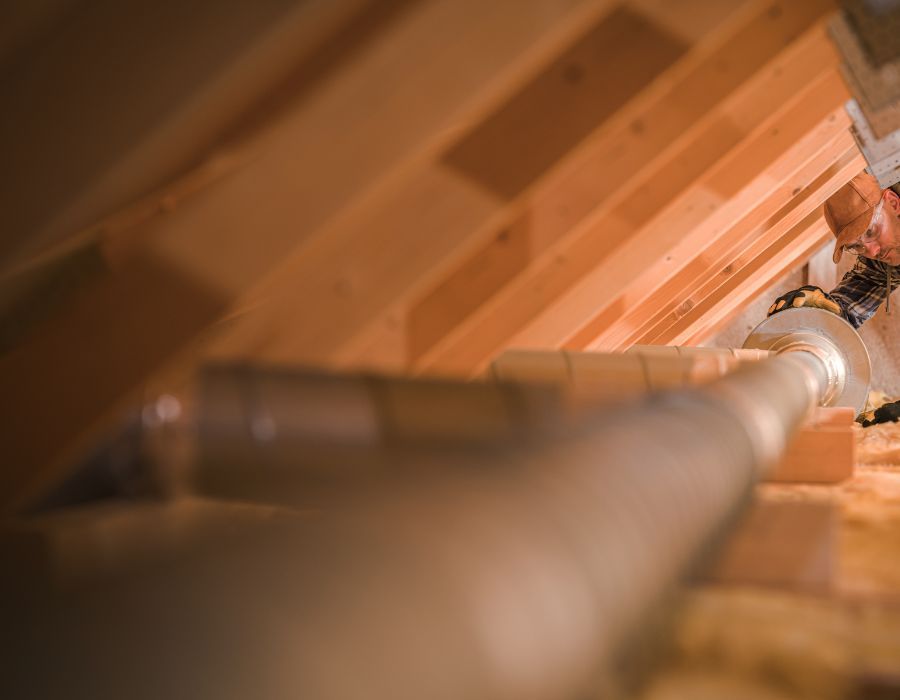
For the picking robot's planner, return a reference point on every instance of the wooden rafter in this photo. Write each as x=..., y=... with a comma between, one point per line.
x=702, y=278
x=676, y=117
x=736, y=185
x=419, y=80
x=394, y=242
x=780, y=248
x=769, y=108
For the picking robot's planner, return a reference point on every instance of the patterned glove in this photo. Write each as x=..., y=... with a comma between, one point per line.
x=807, y=295
x=890, y=412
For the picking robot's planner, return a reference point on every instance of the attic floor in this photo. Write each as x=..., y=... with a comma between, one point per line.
x=783, y=645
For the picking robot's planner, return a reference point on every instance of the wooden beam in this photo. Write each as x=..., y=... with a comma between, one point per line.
x=102, y=110
x=707, y=319
x=746, y=177
x=746, y=238
x=673, y=112
x=394, y=103
x=823, y=454
x=455, y=206
x=571, y=288
x=727, y=293
x=783, y=544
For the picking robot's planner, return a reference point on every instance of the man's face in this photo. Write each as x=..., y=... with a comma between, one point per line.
x=882, y=240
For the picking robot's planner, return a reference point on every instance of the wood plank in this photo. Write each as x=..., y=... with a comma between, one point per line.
x=355, y=267
x=692, y=20
x=831, y=417
x=706, y=319
x=146, y=110
x=444, y=70
x=513, y=147
x=823, y=455
x=712, y=264
x=727, y=294
x=589, y=379
x=632, y=139
x=370, y=236
x=740, y=183
x=548, y=312
x=780, y=543
x=71, y=375
x=328, y=151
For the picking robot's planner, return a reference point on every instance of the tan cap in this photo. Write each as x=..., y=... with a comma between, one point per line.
x=849, y=210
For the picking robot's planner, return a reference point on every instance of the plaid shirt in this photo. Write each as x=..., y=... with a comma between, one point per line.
x=863, y=288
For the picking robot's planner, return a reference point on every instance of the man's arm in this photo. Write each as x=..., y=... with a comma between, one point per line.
x=862, y=290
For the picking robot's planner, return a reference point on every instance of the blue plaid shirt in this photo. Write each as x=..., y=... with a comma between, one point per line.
x=861, y=291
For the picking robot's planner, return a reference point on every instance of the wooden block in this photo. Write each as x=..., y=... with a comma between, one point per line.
x=831, y=417
x=823, y=454
x=531, y=366
x=599, y=378
x=783, y=544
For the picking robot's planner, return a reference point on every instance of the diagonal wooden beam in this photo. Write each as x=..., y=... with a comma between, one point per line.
x=396, y=102
x=805, y=68
x=705, y=212
x=788, y=253
x=148, y=109
x=766, y=259
x=387, y=246
x=823, y=172
x=415, y=326
x=759, y=267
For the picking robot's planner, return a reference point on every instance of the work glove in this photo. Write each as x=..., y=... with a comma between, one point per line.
x=890, y=412
x=807, y=295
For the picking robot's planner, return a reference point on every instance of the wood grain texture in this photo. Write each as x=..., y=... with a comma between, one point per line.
x=588, y=274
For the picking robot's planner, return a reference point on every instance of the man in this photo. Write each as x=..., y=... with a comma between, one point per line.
x=865, y=221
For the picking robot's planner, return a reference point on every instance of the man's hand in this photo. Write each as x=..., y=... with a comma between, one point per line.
x=807, y=295
x=889, y=413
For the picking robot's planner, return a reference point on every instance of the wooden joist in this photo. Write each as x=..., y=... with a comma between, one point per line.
x=705, y=319
x=780, y=543
x=731, y=191
x=619, y=244
x=654, y=146
x=416, y=227
x=508, y=187
x=754, y=238
x=107, y=103
x=425, y=75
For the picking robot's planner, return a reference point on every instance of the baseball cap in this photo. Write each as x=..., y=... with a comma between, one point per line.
x=849, y=210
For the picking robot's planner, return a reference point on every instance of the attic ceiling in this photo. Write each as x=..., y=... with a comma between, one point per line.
x=410, y=186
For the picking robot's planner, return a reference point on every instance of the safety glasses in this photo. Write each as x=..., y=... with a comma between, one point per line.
x=875, y=229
